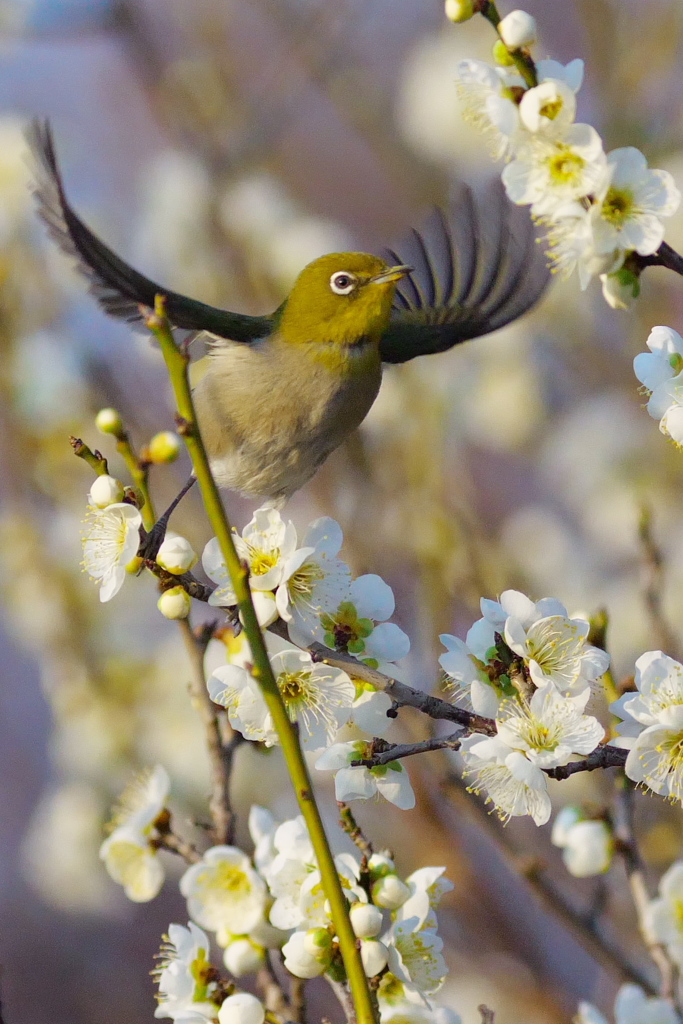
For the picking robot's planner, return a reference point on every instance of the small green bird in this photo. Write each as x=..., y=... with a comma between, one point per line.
x=283, y=391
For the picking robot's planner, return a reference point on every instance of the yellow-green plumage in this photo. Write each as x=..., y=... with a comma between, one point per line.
x=272, y=411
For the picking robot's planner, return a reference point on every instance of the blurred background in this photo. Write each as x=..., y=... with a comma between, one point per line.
x=221, y=145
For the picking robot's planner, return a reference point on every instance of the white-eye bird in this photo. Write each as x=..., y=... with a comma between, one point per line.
x=282, y=391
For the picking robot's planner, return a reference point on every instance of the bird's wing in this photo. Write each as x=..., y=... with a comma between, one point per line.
x=119, y=289
x=476, y=268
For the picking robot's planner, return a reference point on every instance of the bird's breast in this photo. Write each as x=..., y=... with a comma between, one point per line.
x=270, y=414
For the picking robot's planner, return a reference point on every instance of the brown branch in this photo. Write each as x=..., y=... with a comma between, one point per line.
x=403, y=695
x=220, y=754
x=297, y=1000
x=627, y=847
x=664, y=257
x=603, y=757
x=653, y=586
x=186, y=580
x=387, y=752
x=487, y=1016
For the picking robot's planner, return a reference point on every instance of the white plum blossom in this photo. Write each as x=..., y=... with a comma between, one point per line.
x=111, y=538
x=427, y=886
x=369, y=710
x=631, y=1006
x=653, y=725
x=359, y=782
x=175, y=603
x=459, y=663
x=415, y=958
x=265, y=545
x=459, y=10
x=664, y=918
x=366, y=920
x=486, y=97
x=302, y=958
x=587, y=845
x=547, y=172
x=570, y=74
x=314, y=580
x=511, y=782
x=224, y=892
x=243, y=956
x=549, y=728
x=389, y=891
x=129, y=852
x=317, y=696
x=374, y=956
x=548, y=108
x=185, y=976
x=630, y=204
x=661, y=373
x=358, y=624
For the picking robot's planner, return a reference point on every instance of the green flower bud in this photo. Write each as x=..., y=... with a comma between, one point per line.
x=163, y=448
x=501, y=54
x=108, y=421
x=460, y=10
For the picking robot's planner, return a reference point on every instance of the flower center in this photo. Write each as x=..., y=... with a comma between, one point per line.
x=261, y=562
x=302, y=582
x=540, y=737
x=293, y=685
x=565, y=166
x=221, y=880
x=617, y=206
x=551, y=109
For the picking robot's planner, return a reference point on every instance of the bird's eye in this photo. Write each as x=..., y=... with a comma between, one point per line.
x=342, y=282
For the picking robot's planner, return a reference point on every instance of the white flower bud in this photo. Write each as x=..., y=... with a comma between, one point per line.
x=620, y=289
x=380, y=864
x=390, y=892
x=108, y=421
x=176, y=554
x=366, y=920
x=589, y=849
x=243, y=957
x=517, y=29
x=175, y=603
x=298, y=960
x=564, y=822
x=164, y=447
x=374, y=955
x=106, y=490
x=242, y=1008
x=459, y=10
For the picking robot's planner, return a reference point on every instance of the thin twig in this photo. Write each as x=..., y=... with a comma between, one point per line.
x=353, y=830
x=297, y=1000
x=270, y=990
x=94, y=459
x=653, y=586
x=171, y=841
x=344, y=996
x=487, y=1016
x=186, y=580
x=388, y=752
x=628, y=848
x=220, y=754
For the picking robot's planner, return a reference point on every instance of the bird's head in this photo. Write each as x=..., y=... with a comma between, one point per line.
x=339, y=302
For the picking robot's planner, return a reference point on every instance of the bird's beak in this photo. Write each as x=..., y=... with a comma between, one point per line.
x=392, y=274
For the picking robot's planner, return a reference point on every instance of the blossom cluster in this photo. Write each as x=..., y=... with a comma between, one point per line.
x=276, y=900
x=660, y=371
x=599, y=209
x=529, y=667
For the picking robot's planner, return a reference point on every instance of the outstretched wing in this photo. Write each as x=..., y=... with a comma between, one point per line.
x=119, y=289
x=476, y=268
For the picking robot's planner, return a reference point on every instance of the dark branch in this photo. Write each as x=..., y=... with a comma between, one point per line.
x=603, y=757
x=387, y=752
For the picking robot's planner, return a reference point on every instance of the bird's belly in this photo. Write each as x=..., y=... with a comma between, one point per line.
x=268, y=437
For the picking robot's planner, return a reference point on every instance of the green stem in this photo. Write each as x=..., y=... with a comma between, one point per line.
x=94, y=459
x=177, y=363
x=140, y=473
x=522, y=59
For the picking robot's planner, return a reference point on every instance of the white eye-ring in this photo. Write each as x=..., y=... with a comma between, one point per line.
x=342, y=282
